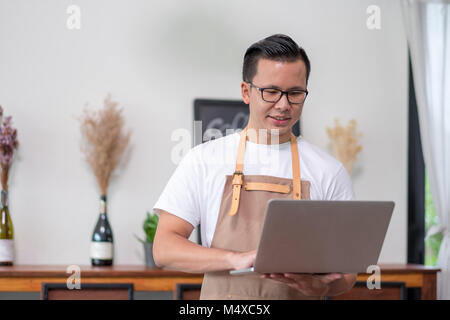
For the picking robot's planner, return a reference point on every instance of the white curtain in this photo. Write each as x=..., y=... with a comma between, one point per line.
x=427, y=25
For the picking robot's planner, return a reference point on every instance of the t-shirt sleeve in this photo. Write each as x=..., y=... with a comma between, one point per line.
x=341, y=187
x=181, y=194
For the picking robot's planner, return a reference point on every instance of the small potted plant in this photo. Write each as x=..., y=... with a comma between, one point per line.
x=149, y=226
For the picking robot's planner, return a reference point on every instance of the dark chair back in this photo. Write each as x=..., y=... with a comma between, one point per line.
x=88, y=291
x=387, y=291
x=187, y=291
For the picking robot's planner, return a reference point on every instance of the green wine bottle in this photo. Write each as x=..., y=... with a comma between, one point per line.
x=6, y=233
x=102, y=251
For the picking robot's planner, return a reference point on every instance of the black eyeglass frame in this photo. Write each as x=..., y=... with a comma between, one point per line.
x=282, y=93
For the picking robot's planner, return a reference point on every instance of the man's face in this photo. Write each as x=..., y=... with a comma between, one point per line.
x=285, y=76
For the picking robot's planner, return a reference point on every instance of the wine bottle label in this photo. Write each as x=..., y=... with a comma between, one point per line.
x=6, y=250
x=101, y=250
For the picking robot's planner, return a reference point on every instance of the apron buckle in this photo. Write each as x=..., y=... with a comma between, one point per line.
x=237, y=178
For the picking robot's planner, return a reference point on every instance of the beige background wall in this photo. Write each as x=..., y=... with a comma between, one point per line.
x=155, y=57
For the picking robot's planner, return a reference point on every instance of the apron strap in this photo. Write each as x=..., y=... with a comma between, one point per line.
x=271, y=187
x=238, y=173
x=297, y=185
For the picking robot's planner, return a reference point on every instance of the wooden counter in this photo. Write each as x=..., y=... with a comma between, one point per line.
x=414, y=276
x=30, y=277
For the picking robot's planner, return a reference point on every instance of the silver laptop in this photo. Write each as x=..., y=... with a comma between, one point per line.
x=309, y=236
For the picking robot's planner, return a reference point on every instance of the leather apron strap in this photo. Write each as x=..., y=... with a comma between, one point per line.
x=238, y=173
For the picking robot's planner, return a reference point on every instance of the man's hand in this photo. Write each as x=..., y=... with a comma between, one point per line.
x=242, y=260
x=307, y=283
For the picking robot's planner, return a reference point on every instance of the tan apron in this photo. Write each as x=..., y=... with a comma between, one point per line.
x=239, y=227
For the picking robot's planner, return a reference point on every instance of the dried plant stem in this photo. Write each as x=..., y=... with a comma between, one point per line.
x=104, y=140
x=5, y=172
x=344, y=143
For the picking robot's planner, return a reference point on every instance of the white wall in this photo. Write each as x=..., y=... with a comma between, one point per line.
x=155, y=57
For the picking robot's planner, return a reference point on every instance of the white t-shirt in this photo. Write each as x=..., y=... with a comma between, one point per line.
x=194, y=191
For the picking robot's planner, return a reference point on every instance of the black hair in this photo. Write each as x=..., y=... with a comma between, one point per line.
x=278, y=47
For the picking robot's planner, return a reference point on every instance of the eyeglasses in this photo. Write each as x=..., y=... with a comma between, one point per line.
x=273, y=95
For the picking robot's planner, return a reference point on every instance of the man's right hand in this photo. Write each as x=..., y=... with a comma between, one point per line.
x=242, y=260
x=172, y=250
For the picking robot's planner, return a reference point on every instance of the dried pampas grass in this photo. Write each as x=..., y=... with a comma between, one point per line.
x=344, y=143
x=104, y=140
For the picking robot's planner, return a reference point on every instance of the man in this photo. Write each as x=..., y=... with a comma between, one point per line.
x=228, y=198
